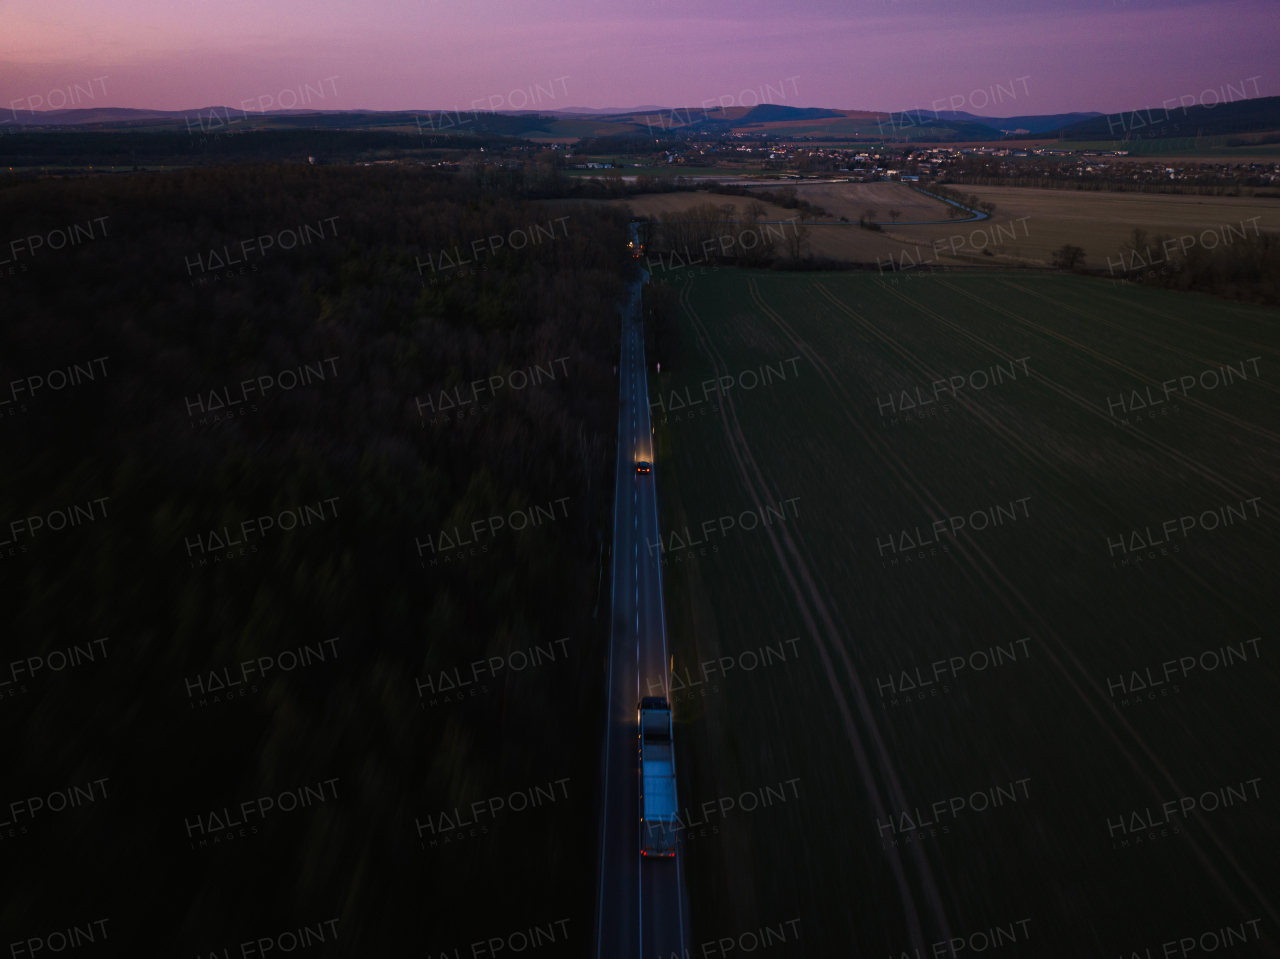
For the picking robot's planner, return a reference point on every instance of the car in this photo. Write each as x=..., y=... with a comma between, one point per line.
x=643, y=467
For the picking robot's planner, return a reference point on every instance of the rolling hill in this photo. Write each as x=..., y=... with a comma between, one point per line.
x=1242, y=116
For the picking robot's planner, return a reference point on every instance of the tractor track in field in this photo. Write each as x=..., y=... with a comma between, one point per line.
x=1007, y=592
x=813, y=607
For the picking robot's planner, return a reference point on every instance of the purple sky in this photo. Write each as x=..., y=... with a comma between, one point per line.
x=1057, y=55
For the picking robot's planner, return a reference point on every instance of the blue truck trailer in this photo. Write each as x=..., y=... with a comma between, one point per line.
x=658, y=820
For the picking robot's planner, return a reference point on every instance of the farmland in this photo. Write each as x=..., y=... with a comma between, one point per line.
x=1043, y=220
x=656, y=204
x=942, y=506
x=850, y=199
x=1206, y=150
x=837, y=198
x=1031, y=223
x=1101, y=222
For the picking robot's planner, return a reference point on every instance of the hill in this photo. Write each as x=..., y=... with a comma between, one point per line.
x=1242, y=116
x=767, y=112
x=1032, y=124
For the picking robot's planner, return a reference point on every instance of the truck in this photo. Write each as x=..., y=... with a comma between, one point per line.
x=658, y=820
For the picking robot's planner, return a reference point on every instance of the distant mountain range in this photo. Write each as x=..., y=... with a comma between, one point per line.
x=1242, y=116
x=603, y=111
x=128, y=114
x=1031, y=124
x=768, y=119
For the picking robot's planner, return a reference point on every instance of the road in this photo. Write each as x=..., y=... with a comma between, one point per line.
x=642, y=904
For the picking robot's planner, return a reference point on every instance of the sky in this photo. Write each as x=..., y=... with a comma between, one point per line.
x=1056, y=56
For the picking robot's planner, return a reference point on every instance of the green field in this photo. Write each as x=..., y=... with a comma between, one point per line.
x=1056, y=613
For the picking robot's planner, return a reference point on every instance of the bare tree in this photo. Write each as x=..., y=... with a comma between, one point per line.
x=987, y=207
x=798, y=240
x=894, y=215
x=1138, y=239
x=647, y=231
x=754, y=244
x=697, y=232
x=1068, y=257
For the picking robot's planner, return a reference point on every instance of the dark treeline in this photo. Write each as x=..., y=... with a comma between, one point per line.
x=630, y=145
x=544, y=179
x=1246, y=268
x=1113, y=186
x=784, y=196
x=233, y=386
x=211, y=140
x=727, y=234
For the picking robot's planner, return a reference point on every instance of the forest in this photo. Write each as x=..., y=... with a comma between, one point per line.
x=340, y=575
x=218, y=140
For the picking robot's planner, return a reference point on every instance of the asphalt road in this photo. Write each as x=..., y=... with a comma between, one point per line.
x=642, y=904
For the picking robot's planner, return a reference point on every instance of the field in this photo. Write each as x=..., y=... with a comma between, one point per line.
x=838, y=199
x=850, y=199
x=1028, y=225
x=659, y=170
x=655, y=204
x=1207, y=149
x=913, y=699
x=1097, y=221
